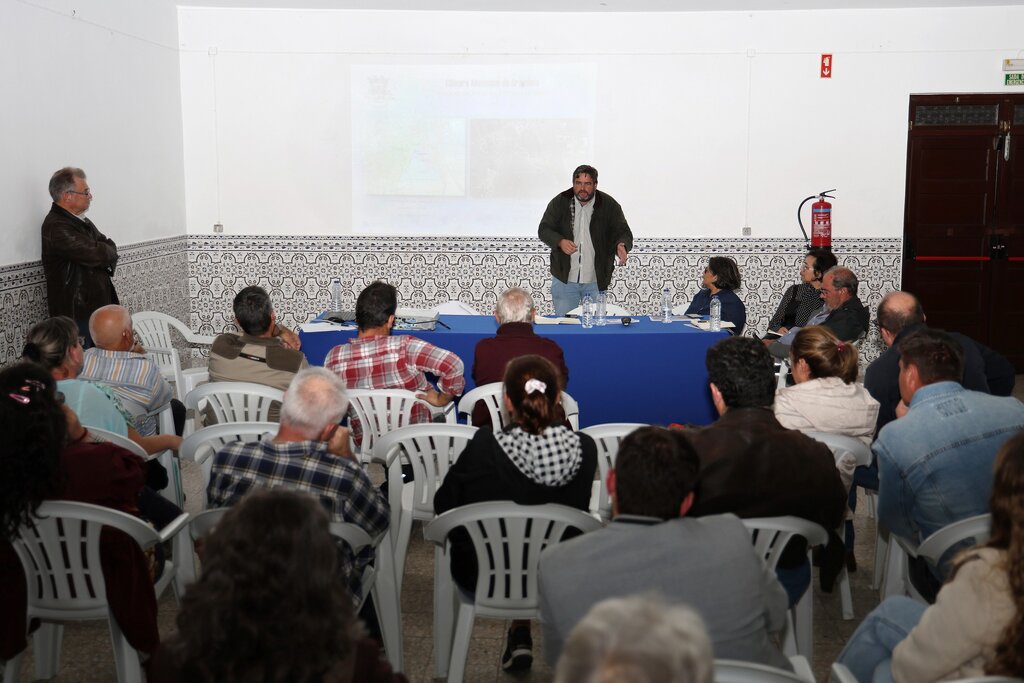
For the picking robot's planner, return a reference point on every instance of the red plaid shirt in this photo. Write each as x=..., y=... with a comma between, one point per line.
x=395, y=362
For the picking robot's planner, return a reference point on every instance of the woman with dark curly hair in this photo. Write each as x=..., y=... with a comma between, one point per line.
x=269, y=605
x=535, y=460
x=44, y=455
x=720, y=278
x=802, y=300
x=976, y=626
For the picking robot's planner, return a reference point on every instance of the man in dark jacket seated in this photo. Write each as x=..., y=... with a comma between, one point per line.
x=843, y=312
x=752, y=466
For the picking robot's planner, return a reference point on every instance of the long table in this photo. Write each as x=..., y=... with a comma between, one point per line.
x=649, y=372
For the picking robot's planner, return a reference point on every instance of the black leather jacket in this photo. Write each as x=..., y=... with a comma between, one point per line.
x=78, y=261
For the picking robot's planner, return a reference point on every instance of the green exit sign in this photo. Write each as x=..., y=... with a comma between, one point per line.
x=1015, y=79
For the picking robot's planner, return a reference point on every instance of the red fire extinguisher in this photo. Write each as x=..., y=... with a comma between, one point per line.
x=821, y=220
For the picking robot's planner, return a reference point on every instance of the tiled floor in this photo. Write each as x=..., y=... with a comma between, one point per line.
x=87, y=656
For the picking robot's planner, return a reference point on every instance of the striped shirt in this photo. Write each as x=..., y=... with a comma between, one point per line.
x=135, y=379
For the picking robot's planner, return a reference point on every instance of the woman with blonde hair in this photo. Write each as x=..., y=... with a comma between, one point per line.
x=976, y=626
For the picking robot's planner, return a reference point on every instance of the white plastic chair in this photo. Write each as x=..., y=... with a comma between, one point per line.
x=431, y=450
x=607, y=437
x=734, y=671
x=508, y=539
x=154, y=329
x=841, y=674
x=380, y=411
x=201, y=445
x=174, y=491
x=783, y=374
x=235, y=401
x=897, y=578
x=852, y=448
x=493, y=397
x=373, y=581
x=770, y=536
x=60, y=556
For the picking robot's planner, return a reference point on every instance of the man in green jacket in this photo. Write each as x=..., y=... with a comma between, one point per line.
x=586, y=230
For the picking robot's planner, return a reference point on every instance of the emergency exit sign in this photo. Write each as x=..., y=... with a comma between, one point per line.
x=1015, y=79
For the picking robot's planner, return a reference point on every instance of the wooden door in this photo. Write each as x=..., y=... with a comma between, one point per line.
x=964, y=218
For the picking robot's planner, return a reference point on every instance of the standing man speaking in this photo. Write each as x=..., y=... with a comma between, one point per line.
x=78, y=259
x=586, y=230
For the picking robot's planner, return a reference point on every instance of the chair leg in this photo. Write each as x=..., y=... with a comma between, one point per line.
x=881, y=551
x=894, y=582
x=126, y=658
x=46, y=645
x=845, y=596
x=803, y=626
x=460, y=643
x=789, y=636
x=386, y=602
x=184, y=563
x=444, y=613
x=12, y=668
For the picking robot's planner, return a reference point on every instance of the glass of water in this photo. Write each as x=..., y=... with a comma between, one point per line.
x=601, y=312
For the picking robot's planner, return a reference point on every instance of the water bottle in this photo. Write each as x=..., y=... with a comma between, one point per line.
x=601, y=313
x=666, y=305
x=336, y=295
x=715, y=319
x=587, y=316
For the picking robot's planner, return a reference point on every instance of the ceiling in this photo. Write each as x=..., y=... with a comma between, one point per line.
x=597, y=5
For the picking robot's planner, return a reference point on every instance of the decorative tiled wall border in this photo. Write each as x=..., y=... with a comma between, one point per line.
x=150, y=276
x=195, y=278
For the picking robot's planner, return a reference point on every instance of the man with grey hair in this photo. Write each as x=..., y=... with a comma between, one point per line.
x=120, y=362
x=637, y=639
x=310, y=452
x=515, y=337
x=843, y=312
x=78, y=260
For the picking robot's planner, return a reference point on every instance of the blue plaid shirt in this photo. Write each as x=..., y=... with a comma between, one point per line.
x=340, y=484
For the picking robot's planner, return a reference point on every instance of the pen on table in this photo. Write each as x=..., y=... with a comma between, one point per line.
x=442, y=324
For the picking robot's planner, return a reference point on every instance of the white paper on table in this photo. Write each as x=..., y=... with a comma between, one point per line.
x=675, y=319
x=540, y=320
x=706, y=324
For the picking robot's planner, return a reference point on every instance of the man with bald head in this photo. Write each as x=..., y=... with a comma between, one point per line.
x=121, y=363
x=899, y=315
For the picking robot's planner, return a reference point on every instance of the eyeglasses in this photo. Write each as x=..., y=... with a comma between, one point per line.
x=87, y=193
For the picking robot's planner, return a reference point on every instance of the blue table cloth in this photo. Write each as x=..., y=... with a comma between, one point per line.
x=649, y=372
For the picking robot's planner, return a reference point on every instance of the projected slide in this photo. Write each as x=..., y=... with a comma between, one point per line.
x=465, y=149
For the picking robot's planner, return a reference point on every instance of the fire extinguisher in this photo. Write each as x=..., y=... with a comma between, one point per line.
x=821, y=220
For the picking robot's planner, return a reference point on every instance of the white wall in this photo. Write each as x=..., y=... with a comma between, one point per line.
x=94, y=85
x=705, y=122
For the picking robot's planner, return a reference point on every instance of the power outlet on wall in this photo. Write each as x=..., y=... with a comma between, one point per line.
x=218, y=227
x=746, y=231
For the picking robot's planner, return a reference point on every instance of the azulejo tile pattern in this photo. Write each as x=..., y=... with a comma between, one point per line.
x=196, y=278
x=150, y=276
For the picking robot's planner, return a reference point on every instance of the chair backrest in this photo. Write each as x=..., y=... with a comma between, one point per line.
x=842, y=445
x=235, y=401
x=123, y=441
x=61, y=555
x=608, y=437
x=206, y=521
x=508, y=539
x=783, y=374
x=154, y=329
x=771, y=534
x=431, y=450
x=200, y=446
x=572, y=410
x=733, y=671
x=978, y=528
x=379, y=411
x=491, y=394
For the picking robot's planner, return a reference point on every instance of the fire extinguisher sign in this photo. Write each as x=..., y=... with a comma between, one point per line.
x=826, y=66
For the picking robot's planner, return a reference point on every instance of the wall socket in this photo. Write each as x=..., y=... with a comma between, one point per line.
x=218, y=227
x=746, y=231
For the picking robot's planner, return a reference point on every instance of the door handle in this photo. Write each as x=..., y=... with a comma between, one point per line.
x=997, y=246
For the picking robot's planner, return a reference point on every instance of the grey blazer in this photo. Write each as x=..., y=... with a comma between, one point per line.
x=708, y=563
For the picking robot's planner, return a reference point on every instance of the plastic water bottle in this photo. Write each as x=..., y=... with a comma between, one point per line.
x=336, y=294
x=601, y=312
x=666, y=305
x=587, y=316
x=715, y=319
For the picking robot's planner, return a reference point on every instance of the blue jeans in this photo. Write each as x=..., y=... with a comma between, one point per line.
x=868, y=655
x=567, y=296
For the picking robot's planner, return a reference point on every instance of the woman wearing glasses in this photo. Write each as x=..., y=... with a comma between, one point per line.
x=803, y=300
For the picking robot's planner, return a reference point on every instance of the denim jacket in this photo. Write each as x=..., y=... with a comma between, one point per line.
x=935, y=463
